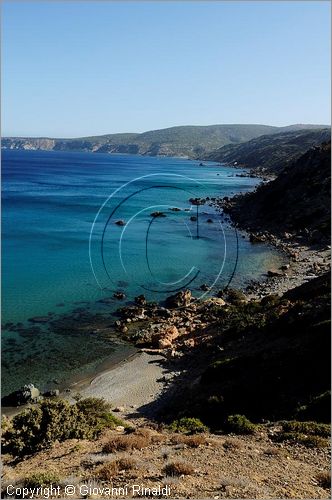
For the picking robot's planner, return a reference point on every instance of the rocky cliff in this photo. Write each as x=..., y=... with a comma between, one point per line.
x=297, y=202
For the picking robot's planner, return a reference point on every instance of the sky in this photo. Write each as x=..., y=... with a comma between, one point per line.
x=72, y=69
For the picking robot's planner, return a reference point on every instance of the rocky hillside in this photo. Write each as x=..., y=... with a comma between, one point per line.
x=187, y=141
x=270, y=153
x=296, y=203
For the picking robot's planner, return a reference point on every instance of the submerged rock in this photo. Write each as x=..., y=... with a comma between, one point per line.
x=119, y=295
x=39, y=319
x=158, y=214
x=120, y=222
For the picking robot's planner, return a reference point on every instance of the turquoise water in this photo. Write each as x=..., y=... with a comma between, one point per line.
x=61, y=246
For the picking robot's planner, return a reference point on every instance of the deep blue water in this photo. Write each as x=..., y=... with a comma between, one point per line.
x=61, y=245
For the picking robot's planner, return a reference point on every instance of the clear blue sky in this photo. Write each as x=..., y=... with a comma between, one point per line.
x=84, y=68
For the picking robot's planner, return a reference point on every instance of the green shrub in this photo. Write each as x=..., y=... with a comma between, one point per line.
x=188, y=426
x=239, y=424
x=310, y=441
x=319, y=408
x=56, y=420
x=41, y=479
x=311, y=428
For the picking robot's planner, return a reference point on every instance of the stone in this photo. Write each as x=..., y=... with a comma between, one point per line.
x=274, y=273
x=120, y=223
x=119, y=295
x=193, y=218
x=119, y=409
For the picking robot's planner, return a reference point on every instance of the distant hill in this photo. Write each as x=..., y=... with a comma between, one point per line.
x=185, y=141
x=298, y=201
x=271, y=153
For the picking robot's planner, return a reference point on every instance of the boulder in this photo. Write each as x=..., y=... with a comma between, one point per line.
x=27, y=394
x=120, y=223
x=166, y=338
x=140, y=300
x=54, y=393
x=218, y=301
x=180, y=299
x=119, y=295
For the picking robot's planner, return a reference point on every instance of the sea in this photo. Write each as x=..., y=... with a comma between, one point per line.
x=78, y=228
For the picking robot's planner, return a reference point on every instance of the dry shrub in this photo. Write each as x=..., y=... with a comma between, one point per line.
x=178, y=469
x=272, y=452
x=193, y=441
x=153, y=436
x=125, y=443
x=232, y=444
x=144, y=431
x=126, y=463
x=112, y=469
x=107, y=472
x=324, y=479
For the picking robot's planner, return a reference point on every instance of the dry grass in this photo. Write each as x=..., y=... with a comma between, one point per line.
x=126, y=443
x=178, y=469
x=232, y=444
x=193, y=441
x=324, y=479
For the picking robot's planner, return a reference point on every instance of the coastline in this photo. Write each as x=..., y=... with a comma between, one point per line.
x=133, y=383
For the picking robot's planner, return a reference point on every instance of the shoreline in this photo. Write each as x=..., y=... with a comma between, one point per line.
x=129, y=386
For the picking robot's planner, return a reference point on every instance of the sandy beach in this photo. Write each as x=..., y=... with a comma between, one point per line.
x=130, y=385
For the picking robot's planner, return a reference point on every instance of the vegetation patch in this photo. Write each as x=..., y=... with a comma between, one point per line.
x=188, y=425
x=324, y=479
x=178, y=469
x=126, y=443
x=39, y=427
x=310, y=441
x=239, y=424
x=310, y=428
x=193, y=441
x=41, y=479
